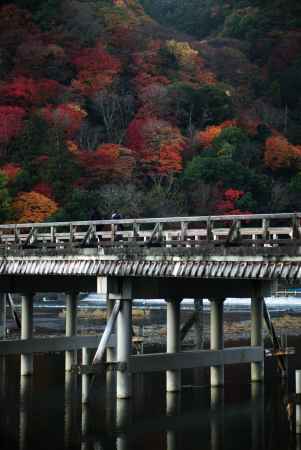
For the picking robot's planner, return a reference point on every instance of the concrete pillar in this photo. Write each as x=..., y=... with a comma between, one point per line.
x=217, y=339
x=26, y=332
x=124, y=348
x=2, y=315
x=85, y=377
x=257, y=368
x=199, y=323
x=71, y=325
x=173, y=377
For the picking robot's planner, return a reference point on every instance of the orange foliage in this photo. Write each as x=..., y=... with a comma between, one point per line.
x=108, y=162
x=11, y=170
x=158, y=145
x=280, y=154
x=33, y=207
x=207, y=136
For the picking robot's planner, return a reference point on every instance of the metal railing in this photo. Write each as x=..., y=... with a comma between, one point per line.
x=254, y=230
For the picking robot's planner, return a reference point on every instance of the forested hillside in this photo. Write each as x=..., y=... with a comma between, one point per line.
x=151, y=107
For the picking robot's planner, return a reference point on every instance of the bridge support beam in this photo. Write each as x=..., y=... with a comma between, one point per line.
x=26, y=332
x=111, y=351
x=124, y=347
x=173, y=377
x=71, y=326
x=257, y=368
x=217, y=339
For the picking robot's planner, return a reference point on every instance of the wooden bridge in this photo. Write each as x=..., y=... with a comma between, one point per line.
x=198, y=257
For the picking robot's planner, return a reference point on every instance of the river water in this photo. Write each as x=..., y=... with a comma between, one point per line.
x=45, y=412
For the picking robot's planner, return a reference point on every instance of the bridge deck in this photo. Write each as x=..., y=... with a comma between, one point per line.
x=243, y=247
x=245, y=230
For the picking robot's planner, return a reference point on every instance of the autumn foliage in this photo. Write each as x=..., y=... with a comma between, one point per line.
x=11, y=122
x=280, y=154
x=228, y=203
x=27, y=92
x=96, y=70
x=107, y=162
x=68, y=117
x=11, y=171
x=158, y=145
x=207, y=136
x=33, y=207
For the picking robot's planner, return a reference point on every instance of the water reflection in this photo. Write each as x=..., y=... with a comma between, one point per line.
x=217, y=418
x=25, y=410
x=257, y=404
x=173, y=409
x=70, y=409
x=123, y=419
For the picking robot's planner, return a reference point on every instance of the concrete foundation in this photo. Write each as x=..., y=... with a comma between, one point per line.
x=26, y=332
x=173, y=377
x=217, y=339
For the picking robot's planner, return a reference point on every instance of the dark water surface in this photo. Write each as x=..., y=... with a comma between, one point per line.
x=45, y=411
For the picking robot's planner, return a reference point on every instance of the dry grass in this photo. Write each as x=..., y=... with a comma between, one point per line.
x=101, y=314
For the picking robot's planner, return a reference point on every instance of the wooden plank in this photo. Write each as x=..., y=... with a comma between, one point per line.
x=53, y=344
x=159, y=362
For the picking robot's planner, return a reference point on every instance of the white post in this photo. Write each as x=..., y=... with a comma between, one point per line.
x=26, y=332
x=2, y=315
x=298, y=406
x=71, y=325
x=217, y=339
x=124, y=346
x=257, y=368
x=173, y=377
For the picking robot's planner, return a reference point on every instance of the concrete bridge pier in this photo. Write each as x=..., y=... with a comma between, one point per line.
x=27, y=332
x=217, y=339
x=124, y=348
x=173, y=343
x=257, y=368
x=71, y=326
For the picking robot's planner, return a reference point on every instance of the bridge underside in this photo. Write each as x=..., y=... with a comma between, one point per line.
x=142, y=287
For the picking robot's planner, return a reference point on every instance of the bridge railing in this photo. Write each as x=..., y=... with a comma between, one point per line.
x=253, y=229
